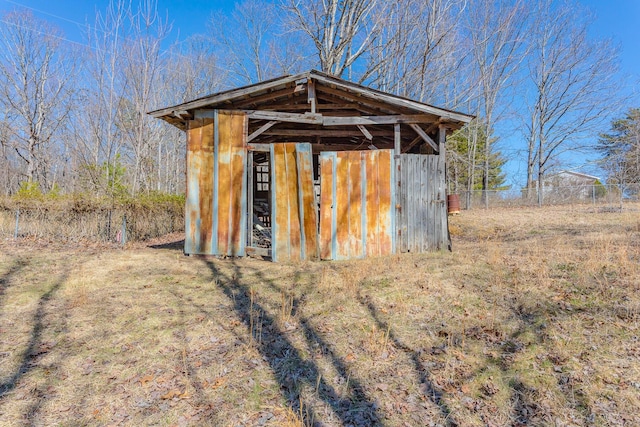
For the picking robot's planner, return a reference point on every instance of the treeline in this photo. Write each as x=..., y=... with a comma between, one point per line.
x=73, y=115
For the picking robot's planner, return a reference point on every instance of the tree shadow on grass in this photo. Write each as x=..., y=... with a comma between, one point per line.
x=429, y=390
x=293, y=371
x=178, y=245
x=35, y=347
x=5, y=279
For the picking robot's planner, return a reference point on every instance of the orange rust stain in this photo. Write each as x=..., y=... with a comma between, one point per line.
x=237, y=170
x=373, y=204
x=192, y=211
x=281, y=235
x=326, y=201
x=199, y=185
x=355, y=205
x=384, y=179
x=292, y=192
x=225, y=183
x=206, y=187
x=308, y=199
x=342, y=205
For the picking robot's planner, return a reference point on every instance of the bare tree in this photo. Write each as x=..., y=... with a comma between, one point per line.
x=36, y=89
x=98, y=136
x=495, y=33
x=254, y=43
x=570, y=77
x=416, y=51
x=341, y=30
x=143, y=65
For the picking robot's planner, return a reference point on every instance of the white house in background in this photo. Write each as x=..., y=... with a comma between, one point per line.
x=570, y=185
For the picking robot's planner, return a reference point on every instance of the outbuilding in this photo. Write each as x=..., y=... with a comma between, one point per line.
x=311, y=166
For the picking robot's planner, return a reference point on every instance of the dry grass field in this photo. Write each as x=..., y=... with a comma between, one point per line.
x=533, y=319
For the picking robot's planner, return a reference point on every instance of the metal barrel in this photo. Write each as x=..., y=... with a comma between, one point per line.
x=453, y=204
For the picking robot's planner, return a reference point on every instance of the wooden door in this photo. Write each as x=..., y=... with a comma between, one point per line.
x=294, y=210
x=357, y=215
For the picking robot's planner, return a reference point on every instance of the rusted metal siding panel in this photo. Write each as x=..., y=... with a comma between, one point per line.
x=308, y=204
x=291, y=192
x=327, y=201
x=231, y=179
x=357, y=204
x=216, y=185
x=294, y=215
x=372, y=208
x=387, y=212
x=341, y=207
x=422, y=213
x=200, y=184
x=280, y=203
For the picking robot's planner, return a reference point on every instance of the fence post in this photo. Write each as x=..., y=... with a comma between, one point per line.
x=15, y=233
x=124, y=230
x=108, y=226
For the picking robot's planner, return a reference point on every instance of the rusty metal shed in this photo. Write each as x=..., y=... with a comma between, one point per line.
x=312, y=166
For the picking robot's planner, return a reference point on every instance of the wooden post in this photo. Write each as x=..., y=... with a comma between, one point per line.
x=443, y=223
x=250, y=184
x=396, y=139
x=311, y=94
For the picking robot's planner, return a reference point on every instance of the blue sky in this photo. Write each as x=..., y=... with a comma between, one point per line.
x=618, y=20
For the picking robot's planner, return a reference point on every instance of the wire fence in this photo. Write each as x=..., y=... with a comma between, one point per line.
x=119, y=224
x=64, y=224
x=611, y=195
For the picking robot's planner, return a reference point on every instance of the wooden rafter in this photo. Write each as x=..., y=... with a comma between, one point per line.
x=269, y=96
x=424, y=136
x=261, y=129
x=365, y=132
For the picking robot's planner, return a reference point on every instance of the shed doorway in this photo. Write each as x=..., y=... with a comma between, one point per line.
x=259, y=202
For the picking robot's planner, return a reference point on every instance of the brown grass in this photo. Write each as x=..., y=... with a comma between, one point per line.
x=532, y=320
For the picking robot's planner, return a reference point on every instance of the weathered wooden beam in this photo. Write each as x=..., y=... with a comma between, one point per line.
x=307, y=118
x=305, y=107
x=286, y=92
x=271, y=85
x=330, y=99
x=324, y=133
x=377, y=120
x=397, y=140
x=318, y=148
x=365, y=132
x=183, y=115
x=442, y=138
x=386, y=108
x=250, y=176
x=264, y=148
x=261, y=129
x=424, y=136
x=311, y=94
